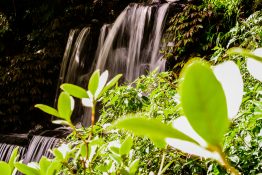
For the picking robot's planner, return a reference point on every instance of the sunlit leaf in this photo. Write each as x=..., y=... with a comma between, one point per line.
x=27, y=170
x=87, y=102
x=255, y=67
x=192, y=148
x=228, y=74
x=48, y=109
x=110, y=84
x=83, y=150
x=152, y=128
x=5, y=168
x=65, y=105
x=61, y=122
x=116, y=158
x=53, y=168
x=13, y=158
x=133, y=167
x=184, y=126
x=244, y=52
x=102, y=81
x=126, y=146
x=203, y=101
x=44, y=163
x=94, y=82
x=74, y=90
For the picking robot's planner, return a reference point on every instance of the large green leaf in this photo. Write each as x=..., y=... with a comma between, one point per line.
x=203, y=101
x=13, y=158
x=65, y=106
x=74, y=90
x=26, y=169
x=94, y=82
x=5, y=169
x=48, y=109
x=152, y=128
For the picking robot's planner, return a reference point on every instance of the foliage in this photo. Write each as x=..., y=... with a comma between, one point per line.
x=25, y=80
x=8, y=168
x=192, y=29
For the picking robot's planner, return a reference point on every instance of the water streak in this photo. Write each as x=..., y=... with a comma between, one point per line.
x=40, y=146
x=7, y=149
x=132, y=45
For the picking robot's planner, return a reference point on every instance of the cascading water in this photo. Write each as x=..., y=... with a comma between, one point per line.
x=40, y=146
x=7, y=149
x=132, y=44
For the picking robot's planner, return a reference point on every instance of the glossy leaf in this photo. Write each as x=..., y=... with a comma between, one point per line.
x=228, y=74
x=83, y=150
x=116, y=158
x=102, y=82
x=61, y=122
x=110, y=84
x=94, y=82
x=44, y=163
x=203, y=101
x=13, y=158
x=5, y=169
x=65, y=106
x=254, y=66
x=48, y=109
x=192, y=148
x=74, y=90
x=182, y=124
x=133, y=167
x=245, y=52
x=27, y=170
x=126, y=146
x=152, y=128
x=53, y=168
x=87, y=102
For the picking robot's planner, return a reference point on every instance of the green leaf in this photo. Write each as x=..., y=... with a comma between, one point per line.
x=53, y=168
x=116, y=158
x=58, y=155
x=83, y=150
x=74, y=90
x=254, y=66
x=133, y=167
x=102, y=81
x=110, y=84
x=61, y=122
x=65, y=106
x=244, y=52
x=114, y=149
x=152, y=128
x=26, y=169
x=44, y=164
x=48, y=109
x=5, y=168
x=203, y=101
x=13, y=158
x=94, y=82
x=126, y=146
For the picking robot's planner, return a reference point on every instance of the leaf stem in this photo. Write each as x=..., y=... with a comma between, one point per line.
x=232, y=170
x=162, y=163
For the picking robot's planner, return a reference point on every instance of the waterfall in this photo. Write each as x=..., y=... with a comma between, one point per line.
x=7, y=149
x=40, y=146
x=132, y=45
